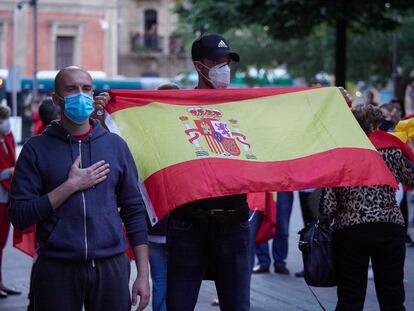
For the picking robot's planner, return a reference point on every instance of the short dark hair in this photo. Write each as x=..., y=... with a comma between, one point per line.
x=368, y=116
x=61, y=74
x=48, y=111
x=168, y=86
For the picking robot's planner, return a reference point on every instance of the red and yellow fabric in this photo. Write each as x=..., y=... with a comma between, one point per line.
x=195, y=144
x=25, y=240
x=266, y=202
x=404, y=129
x=385, y=140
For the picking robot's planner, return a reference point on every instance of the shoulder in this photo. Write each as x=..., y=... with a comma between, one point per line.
x=115, y=142
x=115, y=138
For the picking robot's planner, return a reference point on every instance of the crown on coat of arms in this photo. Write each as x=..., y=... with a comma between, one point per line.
x=205, y=113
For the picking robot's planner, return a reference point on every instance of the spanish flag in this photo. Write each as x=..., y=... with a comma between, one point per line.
x=194, y=144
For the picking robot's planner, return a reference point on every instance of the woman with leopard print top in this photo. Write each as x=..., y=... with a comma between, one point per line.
x=369, y=225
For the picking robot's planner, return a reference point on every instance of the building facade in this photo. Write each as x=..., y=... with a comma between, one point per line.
x=120, y=37
x=148, y=43
x=70, y=32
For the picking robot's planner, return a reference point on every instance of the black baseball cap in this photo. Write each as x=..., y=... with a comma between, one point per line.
x=212, y=46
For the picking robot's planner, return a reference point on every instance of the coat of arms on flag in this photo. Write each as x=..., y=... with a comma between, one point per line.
x=220, y=137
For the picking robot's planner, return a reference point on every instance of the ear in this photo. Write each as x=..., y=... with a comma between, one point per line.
x=57, y=100
x=198, y=66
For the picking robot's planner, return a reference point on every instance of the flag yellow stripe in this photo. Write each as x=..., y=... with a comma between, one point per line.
x=277, y=128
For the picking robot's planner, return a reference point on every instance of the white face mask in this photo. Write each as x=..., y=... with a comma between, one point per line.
x=218, y=76
x=5, y=126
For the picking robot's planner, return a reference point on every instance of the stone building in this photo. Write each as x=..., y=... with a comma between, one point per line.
x=148, y=43
x=70, y=32
x=119, y=37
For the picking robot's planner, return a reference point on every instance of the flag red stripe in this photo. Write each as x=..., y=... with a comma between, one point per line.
x=335, y=167
x=210, y=144
x=25, y=240
x=221, y=147
x=213, y=143
x=123, y=99
x=217, y=145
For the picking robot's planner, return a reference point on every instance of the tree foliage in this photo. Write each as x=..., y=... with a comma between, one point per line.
x=301, y=33
x=287, y=19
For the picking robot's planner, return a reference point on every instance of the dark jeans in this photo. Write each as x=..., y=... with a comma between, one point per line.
x=281, y=240
x=67, y=286
x=194, y=247
x=354, y=246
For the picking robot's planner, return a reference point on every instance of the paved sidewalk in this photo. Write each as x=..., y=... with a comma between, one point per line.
x=269, y=291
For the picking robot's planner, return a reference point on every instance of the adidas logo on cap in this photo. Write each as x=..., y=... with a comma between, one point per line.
x=222, y=44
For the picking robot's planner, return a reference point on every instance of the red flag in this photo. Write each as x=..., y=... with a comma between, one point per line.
x=25, y=240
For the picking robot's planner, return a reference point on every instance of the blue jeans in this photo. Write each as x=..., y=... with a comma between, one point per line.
x=194, y=247
x=281, y=240
x=158, y=267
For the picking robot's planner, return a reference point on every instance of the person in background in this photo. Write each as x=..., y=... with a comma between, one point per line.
x=369, y=225
x=391, y=115
x=370, y=99
x=157, y=239
x=409, y=96
x=36, y=121
x=48, y=112
x=399, y=107
x=387, y=123
x=7, y=163
x=280, y=242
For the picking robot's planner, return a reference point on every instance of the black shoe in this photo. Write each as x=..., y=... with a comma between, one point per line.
x=300, y=274
x=260, y=269
x=282, y=270
x=9, y=291
x=3, y=294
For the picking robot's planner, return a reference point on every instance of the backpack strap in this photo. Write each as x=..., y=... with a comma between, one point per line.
x=314, y=295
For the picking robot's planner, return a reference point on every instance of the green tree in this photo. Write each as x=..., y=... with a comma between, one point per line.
x=287, y=19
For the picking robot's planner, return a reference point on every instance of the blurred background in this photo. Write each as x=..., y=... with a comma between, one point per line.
x=366, y=46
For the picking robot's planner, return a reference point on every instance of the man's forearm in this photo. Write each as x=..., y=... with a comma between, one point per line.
x=61, y=194
x=141, y=260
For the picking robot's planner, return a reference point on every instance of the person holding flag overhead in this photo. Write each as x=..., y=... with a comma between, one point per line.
x=210, y=234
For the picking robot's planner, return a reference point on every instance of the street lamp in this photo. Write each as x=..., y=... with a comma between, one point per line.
x=33, y=4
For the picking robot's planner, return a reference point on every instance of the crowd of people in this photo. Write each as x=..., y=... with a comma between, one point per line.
x=69, y=182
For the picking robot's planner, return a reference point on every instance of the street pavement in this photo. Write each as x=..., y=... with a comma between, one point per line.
x=269, y=291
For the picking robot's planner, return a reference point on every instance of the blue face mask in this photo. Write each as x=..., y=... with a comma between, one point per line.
x=78, y=107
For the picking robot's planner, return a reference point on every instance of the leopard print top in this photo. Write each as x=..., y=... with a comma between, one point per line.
x=350, y=206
